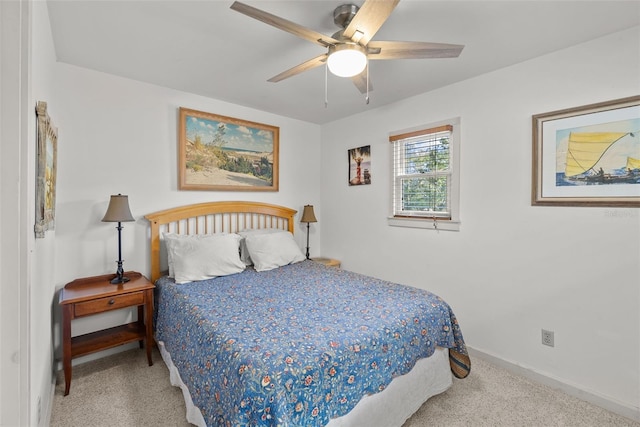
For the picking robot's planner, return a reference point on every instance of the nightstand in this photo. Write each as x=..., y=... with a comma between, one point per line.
x=330, y=262
x=93, y=295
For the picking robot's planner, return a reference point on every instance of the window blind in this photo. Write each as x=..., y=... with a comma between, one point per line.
x=422, y=171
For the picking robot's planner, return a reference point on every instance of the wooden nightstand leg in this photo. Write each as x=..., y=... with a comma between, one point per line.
x=66, y=346
x=148, y=321
x=141, y=322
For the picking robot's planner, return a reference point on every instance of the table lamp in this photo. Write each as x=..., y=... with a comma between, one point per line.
x=118, y=211
x=308, y=216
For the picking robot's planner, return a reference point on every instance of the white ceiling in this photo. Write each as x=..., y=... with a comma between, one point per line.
x=204, y=47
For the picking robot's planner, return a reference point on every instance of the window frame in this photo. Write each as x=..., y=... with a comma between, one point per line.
x=453, y=188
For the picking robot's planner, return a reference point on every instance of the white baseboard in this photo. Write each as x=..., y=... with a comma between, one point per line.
x=45, y=416
x=633, y=413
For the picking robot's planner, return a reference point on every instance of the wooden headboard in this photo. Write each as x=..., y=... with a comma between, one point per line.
x=214, y=217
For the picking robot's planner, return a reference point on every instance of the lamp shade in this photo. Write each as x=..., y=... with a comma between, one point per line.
x=118, y=210
x=346, y=60
x=308, y=215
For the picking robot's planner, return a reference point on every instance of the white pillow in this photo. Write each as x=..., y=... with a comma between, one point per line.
x=170, y=238
x=269, y=251
x=244, y=253
x=205, y=257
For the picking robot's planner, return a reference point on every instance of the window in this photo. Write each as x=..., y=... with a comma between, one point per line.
x=425, y=177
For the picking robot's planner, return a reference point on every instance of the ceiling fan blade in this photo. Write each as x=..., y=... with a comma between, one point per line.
x=368, y=20
x=360, y=81
x=307, y=65
x=409, y=50
x=283, y=24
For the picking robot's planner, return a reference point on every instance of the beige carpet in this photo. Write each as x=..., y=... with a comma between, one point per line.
x=121, y=390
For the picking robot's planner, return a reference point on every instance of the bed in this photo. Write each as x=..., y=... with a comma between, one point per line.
x=296, y=343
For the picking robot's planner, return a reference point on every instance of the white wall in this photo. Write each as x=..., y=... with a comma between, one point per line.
x=43, y=298
x=15, y=243
x=120, y=136
x=30, y=268
x=513, y=268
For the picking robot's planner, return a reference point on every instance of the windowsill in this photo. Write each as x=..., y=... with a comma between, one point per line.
x=426, y=223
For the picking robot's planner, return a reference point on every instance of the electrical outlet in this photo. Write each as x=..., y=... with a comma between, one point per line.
x=547, y=338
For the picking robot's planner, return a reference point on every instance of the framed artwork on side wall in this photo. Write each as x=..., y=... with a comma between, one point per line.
x=588, y=156
x=360, y=165
x=47, y=153
x=226, y=154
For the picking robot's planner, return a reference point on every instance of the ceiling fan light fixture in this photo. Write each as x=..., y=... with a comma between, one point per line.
x=346, y=60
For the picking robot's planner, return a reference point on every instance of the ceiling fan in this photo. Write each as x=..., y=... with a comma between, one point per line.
x=350, y=48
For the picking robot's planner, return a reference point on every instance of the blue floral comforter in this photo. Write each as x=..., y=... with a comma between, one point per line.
x=298, y=345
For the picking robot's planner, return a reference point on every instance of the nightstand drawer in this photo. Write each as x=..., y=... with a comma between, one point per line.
x=109, y=303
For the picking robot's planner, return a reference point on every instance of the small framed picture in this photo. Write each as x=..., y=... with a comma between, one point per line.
x=360, y=165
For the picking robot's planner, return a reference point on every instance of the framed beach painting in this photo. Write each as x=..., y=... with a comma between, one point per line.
x=360, y=165
x=226, y=154
x=47, y=153
x=588, y=156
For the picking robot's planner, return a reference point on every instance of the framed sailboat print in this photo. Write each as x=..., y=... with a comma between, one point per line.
x=588, y=156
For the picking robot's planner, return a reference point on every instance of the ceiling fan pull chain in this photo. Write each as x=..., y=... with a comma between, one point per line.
x=326, y=92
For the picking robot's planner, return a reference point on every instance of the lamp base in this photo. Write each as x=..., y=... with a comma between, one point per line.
x=119, y=279
x=308, y=241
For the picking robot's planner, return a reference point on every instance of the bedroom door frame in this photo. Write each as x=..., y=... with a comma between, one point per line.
x=15, y=40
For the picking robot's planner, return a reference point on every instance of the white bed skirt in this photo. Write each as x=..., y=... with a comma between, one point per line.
x=389, y=408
